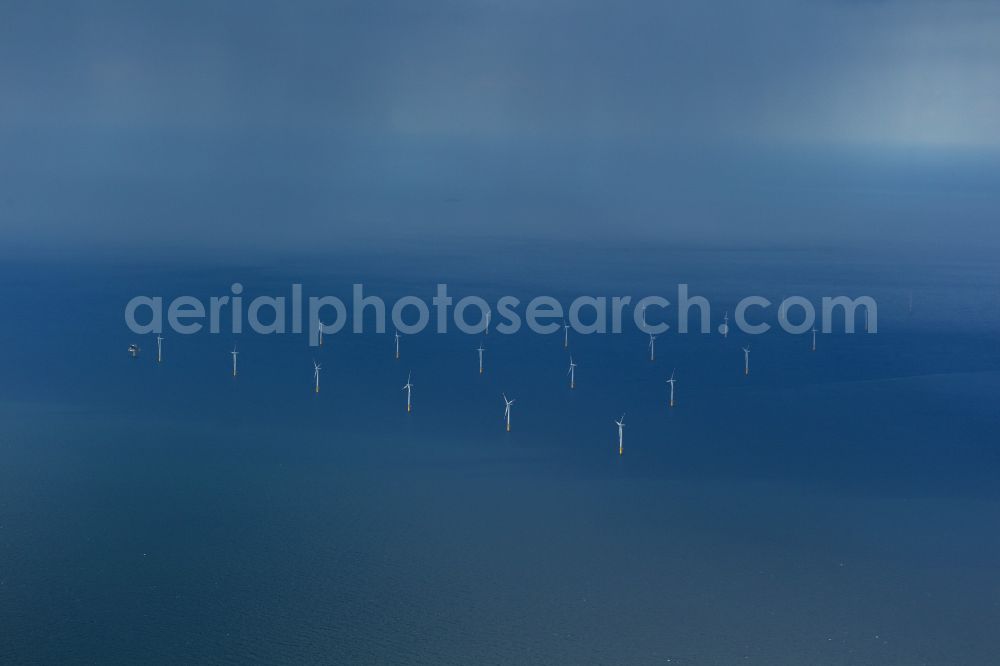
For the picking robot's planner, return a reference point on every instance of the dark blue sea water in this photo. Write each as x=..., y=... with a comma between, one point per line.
x=836, y=507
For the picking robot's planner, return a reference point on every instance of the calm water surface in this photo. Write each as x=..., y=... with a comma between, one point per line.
x=837, y=507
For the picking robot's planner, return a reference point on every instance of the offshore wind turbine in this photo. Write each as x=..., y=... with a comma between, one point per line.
x=572, y=373
x=814, y=338
x=621, y=424
x=480, y=349
x=408, y=387
x=506, y=411
x=489, y=315
x=159, y=348
x=565, y=335
x=397, y=345
x=316, y=368
x=234, y=353
x=672, y=381
x=319, y=328
x=746, y=360
x=652, y=347
x=725, y=324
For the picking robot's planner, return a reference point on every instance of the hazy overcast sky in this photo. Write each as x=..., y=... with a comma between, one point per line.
x=291, y=123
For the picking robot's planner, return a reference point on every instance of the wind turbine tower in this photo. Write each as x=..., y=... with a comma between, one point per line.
x=621, y=439
x=506, y=411
x=408, y=387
